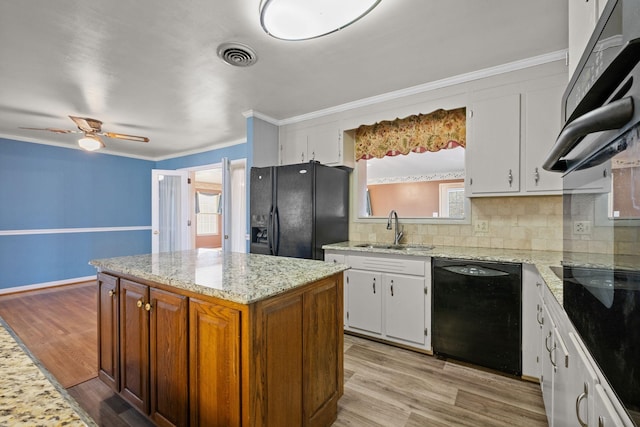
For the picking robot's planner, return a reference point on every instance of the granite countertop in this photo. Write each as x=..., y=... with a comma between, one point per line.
x=29, y=395
x=542, y=260
x=237, y=277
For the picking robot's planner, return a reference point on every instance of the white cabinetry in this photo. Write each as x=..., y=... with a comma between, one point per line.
x=493, y=154
x=404, y=307
x=542, y=125
x=512, y=129
x=605, y=415
x=532, y=322
x=293, y=147
x=574, y=392
x=388, y=297
x=364, y=309
x=583, y=16
x=326, y=144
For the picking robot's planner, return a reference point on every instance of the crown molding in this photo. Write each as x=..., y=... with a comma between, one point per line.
x=438, y=84
x=261, y=116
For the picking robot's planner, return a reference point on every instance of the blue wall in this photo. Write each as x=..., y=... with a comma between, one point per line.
x=51, y=188
x=44, y=187
x=55, y=190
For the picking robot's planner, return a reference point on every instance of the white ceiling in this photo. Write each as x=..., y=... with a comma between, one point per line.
x=149, y=67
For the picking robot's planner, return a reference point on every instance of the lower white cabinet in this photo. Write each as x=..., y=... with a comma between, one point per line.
x=573, y=389
x=532, y=322
x=364, y=309
x=387, y=297
x=404, y=303
x=574, y=392
x=604, y=412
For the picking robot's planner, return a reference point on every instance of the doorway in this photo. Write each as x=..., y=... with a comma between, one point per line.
x=207, y=213
x=218, y=206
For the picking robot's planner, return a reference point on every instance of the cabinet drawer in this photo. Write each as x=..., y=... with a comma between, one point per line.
x=334, y=258
x=388, y=265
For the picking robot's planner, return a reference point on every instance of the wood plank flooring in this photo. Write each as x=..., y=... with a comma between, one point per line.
x=384, y=385
x=58, y=326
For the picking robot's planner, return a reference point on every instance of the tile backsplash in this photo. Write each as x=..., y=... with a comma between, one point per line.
x=496, y=222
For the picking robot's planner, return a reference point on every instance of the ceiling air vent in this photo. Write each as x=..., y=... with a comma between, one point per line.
x=237, y=54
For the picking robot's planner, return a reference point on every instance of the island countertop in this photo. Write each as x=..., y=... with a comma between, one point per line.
x=29, y=395
x=238, y=277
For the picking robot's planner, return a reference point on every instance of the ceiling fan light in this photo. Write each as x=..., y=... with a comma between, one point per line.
x=90, y=143
x=308, y=19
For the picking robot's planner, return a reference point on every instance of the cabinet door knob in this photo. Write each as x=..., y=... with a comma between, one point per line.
x=139, y=303
x=112, y=292
x=148, y=306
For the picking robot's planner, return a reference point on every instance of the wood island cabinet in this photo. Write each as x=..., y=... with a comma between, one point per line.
x=153, y=352
x=190, y=359
x=215, y=382
x=108, y=343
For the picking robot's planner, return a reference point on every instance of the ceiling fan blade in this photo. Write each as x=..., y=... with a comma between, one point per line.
x=53, y=130
x=86, y=124
x=124, y=136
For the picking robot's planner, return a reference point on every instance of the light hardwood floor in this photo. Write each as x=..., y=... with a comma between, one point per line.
x=384, y=385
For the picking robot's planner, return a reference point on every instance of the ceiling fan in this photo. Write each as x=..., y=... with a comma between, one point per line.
x=92, y=130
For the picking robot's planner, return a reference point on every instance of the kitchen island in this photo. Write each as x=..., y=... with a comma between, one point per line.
x=209, y=338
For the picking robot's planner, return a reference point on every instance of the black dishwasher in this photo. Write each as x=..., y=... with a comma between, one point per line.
x=477, y=311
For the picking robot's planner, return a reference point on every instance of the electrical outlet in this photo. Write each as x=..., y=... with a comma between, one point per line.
x=481, y=226
x=582, y=227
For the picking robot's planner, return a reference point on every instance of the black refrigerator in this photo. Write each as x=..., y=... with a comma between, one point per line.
x=295, y=209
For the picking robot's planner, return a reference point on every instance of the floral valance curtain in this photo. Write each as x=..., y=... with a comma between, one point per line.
x=435, y=131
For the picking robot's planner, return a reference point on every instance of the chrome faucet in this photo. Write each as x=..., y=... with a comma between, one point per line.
x=399, y=233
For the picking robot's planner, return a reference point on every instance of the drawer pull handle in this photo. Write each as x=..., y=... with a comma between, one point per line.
x=579, y=399
x=540, y=320
x=546, y=342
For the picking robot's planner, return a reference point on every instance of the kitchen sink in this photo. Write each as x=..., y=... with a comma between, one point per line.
x=407, y=248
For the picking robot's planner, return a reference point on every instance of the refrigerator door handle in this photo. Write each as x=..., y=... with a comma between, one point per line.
x=276, y=231
x=270, y=231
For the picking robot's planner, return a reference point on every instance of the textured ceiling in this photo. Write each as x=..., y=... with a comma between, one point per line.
x=149, y=67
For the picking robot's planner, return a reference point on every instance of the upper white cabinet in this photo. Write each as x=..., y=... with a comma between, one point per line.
x=510, y=135
x=326, y=144
x=583, y=16
x=542, y=122
x=493, y=154
x=293, y=147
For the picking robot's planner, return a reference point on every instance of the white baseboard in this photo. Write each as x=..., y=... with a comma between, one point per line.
x=24, y=288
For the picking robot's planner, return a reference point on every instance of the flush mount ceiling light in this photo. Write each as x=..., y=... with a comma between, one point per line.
x=308, y=19
x=90, y=142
